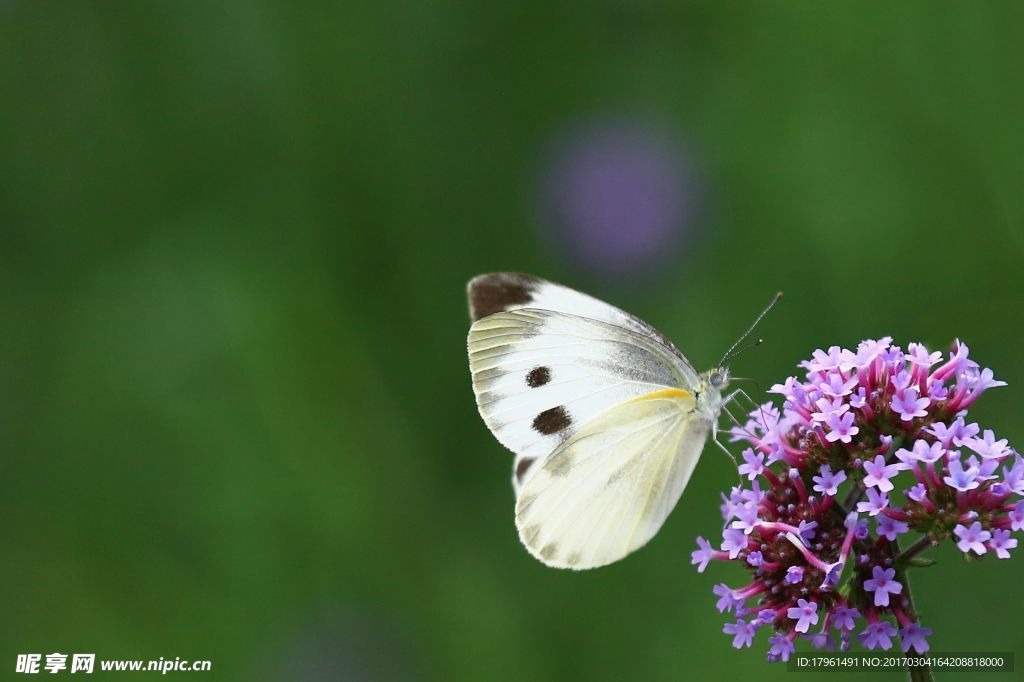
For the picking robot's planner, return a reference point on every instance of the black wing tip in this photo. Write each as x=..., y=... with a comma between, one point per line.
x=491, y=278
x=495, y=292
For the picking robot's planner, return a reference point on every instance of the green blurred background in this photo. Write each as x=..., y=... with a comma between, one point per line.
x=235, y=414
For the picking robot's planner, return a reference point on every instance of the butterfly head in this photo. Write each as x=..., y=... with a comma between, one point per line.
x=709, y=391
x=718, y=378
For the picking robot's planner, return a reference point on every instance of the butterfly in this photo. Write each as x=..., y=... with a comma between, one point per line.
x=606, y=417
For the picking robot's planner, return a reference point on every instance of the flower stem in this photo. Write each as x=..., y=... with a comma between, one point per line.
x=917, y=673
x=921, y=674
x=923, y=543
x=854, y=496
x=857, y=491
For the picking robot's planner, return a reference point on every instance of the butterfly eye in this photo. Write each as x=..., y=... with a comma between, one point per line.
x=717, y=377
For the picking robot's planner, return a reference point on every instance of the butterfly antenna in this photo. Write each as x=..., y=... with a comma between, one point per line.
x=729, y=353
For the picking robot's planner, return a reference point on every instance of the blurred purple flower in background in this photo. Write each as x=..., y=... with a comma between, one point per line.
x=618, y=196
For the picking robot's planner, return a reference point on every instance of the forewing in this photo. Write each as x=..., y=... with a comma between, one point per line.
x=607, y=490
x=540, y=375
x=497, y=292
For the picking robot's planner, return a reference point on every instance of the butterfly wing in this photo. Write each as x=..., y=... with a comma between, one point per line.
x=606, y=374
x=497, y=292
x=608, y=489
x=540, y=375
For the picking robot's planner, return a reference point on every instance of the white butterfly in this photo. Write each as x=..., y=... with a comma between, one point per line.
x=606, y=417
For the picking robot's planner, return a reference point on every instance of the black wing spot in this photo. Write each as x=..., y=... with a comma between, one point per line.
x=498, y=291
x=524, y=466
x=538, y=376
x=552, y=421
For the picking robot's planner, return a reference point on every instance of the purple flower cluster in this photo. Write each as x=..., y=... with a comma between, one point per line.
x=889, y=427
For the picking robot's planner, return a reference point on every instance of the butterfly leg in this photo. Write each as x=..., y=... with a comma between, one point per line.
x=725, y=408
x=714, y=430
x=728, y=454
x=760, y=409
x=742, y=393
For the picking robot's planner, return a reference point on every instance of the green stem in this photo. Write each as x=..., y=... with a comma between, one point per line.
x=858, y=489
x=854, y=496
x=923, y=543
x=922, y=673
